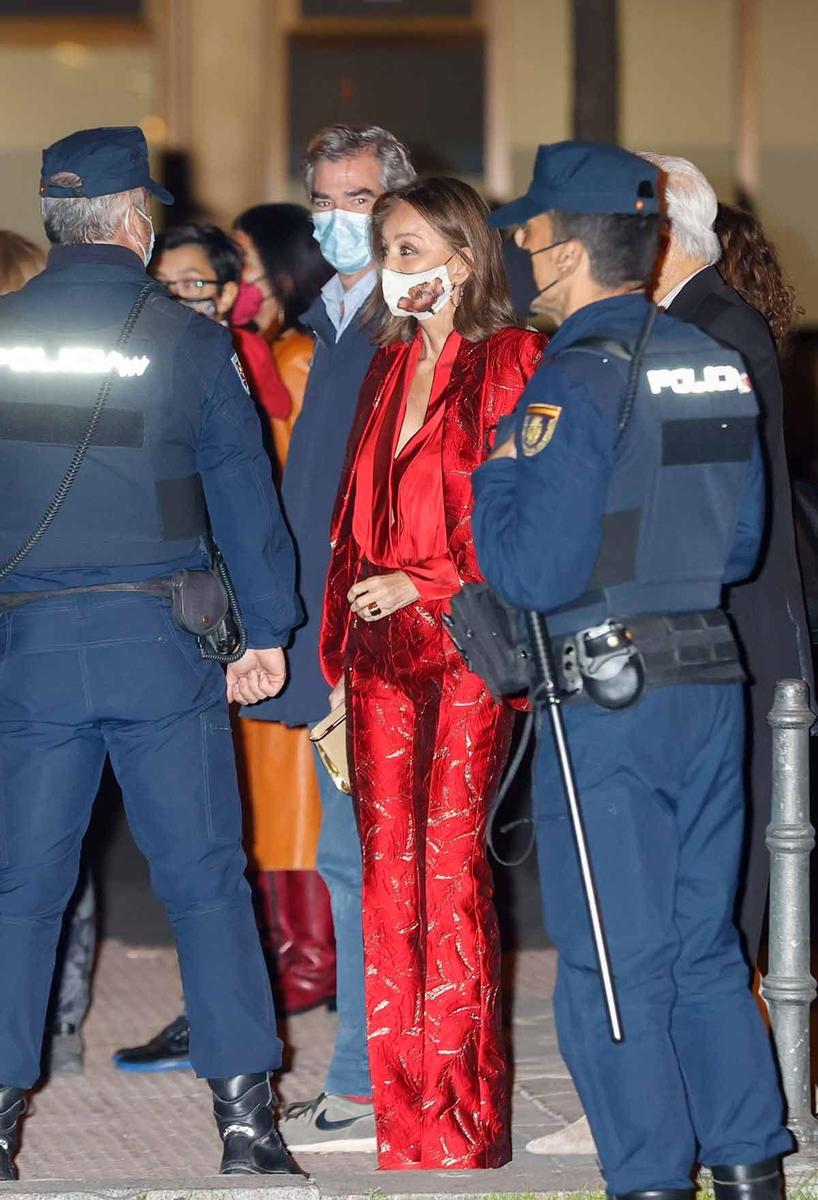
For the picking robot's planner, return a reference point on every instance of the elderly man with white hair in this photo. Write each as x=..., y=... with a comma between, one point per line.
x=768, y=610
x=693, y=245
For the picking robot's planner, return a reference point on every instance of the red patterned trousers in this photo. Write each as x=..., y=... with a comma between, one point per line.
x=428, y=746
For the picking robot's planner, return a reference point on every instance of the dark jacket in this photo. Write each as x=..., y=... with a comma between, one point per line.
x=308, y=492
x=768, y=609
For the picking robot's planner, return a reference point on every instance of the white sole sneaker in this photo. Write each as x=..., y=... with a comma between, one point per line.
x=575, y=1138
x=353, y=1146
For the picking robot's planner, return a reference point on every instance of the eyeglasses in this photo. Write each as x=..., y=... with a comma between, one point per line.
x=191, y=289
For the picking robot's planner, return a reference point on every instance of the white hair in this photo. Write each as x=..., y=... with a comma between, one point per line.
x=70, y=220
x=691, y=206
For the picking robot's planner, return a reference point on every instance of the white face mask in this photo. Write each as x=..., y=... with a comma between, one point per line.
x=420, y=294
x=145, y=253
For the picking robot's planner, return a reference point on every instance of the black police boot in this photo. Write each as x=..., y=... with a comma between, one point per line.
x=656, y=1194
x=12, y=1107
x=758, y=1181
x=243, y=1107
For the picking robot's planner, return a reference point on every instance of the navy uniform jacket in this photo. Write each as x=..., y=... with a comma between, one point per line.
x=87, y=288
x=308, y=491
x=538, y=519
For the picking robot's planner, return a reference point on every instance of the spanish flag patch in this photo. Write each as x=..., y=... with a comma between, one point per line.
x=538, y=427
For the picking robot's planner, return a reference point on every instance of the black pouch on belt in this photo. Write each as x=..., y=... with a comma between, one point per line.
x=488, y=633
x=199, y=601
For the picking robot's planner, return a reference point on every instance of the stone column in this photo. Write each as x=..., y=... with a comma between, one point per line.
x=220, y=73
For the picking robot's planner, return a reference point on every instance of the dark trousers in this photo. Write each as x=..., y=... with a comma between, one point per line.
x=663, y=796
x=86, y=675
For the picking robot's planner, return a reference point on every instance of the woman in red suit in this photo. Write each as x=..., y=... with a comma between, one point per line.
x=427, y=742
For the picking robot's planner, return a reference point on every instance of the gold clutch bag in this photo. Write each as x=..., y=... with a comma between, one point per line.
x=330, y=739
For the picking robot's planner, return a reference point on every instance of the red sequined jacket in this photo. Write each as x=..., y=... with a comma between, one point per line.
x=487, y=380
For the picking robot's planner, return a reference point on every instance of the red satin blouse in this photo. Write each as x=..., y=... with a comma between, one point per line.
x=398, y=518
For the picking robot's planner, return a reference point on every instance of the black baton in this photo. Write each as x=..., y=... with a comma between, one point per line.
x=548, y=690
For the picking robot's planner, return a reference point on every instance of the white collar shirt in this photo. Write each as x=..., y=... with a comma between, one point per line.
x=667, y=300
x=343, y=304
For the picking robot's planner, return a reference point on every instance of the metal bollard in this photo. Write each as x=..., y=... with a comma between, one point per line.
x=789, y=987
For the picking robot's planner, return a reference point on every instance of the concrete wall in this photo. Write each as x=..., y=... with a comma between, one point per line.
x=539, y=83
x=676, y=81
x=47, y=91
x=789, y=141
x=678, y=95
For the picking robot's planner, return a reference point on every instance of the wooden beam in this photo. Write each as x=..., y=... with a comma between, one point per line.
x=748, y=101
x=596, y=63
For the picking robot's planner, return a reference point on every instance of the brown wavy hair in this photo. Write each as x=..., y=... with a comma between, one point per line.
x=20, y=259
x=457, y=213
x=749, y=263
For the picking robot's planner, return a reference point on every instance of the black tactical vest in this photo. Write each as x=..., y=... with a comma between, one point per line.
x=138, y=498
x=678, y=480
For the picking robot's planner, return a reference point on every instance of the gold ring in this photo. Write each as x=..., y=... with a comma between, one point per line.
x=374, y=608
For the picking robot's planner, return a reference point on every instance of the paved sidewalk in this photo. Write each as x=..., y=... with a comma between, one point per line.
x=110, y=1129
x=152, y=1137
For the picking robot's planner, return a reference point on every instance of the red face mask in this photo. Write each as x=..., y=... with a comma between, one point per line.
x=248, y=302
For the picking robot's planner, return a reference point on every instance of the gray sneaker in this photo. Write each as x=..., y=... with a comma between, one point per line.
x=65, y=1054
x=329, y=1125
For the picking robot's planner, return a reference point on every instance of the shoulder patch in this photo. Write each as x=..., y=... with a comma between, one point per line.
x=240, y=372
x=539, y=424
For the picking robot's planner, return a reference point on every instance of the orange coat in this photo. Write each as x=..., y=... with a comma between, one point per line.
x=282, y=804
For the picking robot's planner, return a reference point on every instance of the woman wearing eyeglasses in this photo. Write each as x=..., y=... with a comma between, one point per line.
x=202, y=267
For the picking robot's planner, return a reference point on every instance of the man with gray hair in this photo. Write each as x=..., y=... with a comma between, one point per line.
x=346, y=168
x=129, y=441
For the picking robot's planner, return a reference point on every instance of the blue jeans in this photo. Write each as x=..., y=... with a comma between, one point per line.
x=339, y=865
x=90, y=674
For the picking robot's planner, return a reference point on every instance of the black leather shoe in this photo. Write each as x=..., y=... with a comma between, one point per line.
x=12, y=1107
x=758, y=1181
x=243, y=1108
x=168, y=1051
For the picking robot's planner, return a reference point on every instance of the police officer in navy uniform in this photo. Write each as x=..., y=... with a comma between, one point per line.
x=623, y=520
x=89, y=672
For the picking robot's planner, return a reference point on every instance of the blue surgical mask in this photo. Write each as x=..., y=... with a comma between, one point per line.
x=344, y=238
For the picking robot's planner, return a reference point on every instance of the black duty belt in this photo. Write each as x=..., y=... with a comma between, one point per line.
x=661, y=648
x=202, y=603
x=161, y=586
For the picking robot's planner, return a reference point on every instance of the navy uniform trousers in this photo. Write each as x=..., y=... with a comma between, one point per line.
x=661, y=786
x=81, y=676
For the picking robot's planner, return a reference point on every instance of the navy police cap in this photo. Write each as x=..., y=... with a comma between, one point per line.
x=104, y=160
x=585, y=177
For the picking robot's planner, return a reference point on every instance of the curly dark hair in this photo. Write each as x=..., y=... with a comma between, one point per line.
x=749, y=264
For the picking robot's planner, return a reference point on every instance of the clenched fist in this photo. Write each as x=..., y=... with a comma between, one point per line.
x=258, y=675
